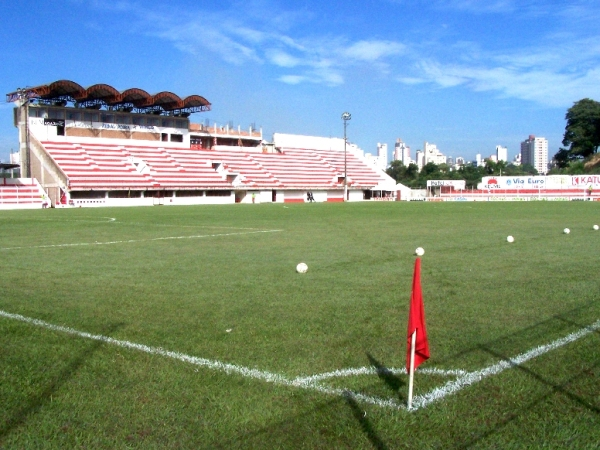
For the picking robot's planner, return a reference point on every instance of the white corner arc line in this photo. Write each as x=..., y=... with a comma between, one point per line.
x=131, y=241
x=454, y=386
x=375, y=371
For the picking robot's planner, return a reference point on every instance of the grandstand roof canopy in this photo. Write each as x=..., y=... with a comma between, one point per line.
x=103, y=95
x=8, y=166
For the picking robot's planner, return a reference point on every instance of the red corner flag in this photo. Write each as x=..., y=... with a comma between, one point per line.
x=416, y=321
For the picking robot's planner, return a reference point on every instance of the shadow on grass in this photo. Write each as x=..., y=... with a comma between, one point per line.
x=296, y=430
x=555, y=388
x=36, y=402
x=365, y=424
x=393, y=381
x=538, y=329
x=560, y=388
x=325, y=424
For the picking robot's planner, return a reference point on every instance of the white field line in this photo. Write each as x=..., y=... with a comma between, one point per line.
x=421, y=401
x=464, y=378
x=130, y=241
x=141, y=224
x=94, y=220
x=146, y=225
x=375, y=371
x=214, y=365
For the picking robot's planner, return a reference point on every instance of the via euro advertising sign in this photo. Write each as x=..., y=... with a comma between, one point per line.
x=541, y=182
x=526, y=182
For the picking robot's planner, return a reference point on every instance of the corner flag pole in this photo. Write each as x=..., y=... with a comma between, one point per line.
x=412, y=368
x=417, y=349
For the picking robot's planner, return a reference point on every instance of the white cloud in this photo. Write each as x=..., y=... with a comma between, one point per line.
x=479, y=6
x=553, y=69
x=292, y=79
x=471, y=6
x=543, y=86
x=373, y=50
x=194, y=39
x=411, y=80
x=321, y=59
x=282, y=59
x=445, y=76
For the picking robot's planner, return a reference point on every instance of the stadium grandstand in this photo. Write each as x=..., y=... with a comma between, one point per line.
x=98, y=146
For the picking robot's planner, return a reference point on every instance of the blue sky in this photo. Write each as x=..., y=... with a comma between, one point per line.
x=466, y=75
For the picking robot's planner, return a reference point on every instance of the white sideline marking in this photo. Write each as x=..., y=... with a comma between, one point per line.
x=146, y=225
x=141, y=224
x=94, y=220
x=130, y=241
x=451, y=387
x=215, y=365
x=310, y=383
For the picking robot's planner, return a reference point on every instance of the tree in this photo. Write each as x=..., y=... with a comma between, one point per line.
x=563, y=158
x=528, y=169
x=430, y=171
x=582, y=132
x=489, y=167
x=402, y=174
x=397, y=170
x=471, y=174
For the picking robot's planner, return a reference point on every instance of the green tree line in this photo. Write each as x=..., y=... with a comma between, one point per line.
x=414, y=178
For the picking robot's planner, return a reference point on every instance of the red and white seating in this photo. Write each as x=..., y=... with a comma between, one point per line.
x=22, y=193
x=111, y=166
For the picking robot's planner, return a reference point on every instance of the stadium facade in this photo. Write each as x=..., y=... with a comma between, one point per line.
x=97, y=146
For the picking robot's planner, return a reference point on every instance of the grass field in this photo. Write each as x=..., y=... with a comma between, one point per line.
x=171, y=327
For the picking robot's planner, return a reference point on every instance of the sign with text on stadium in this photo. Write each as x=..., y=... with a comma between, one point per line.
x=541, y=182
x=54, y=122
x=456, y=184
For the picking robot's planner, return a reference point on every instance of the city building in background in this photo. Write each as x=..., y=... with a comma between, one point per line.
x=382, y=155
x=501, y=153
x=534, y=151
x=402, y=152
x=432, y=154
x=420, y=159
x=517, y=159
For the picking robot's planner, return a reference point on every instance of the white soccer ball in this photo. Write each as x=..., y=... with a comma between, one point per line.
x=510, y=239
x=596, y=227
x=566, y=231
x=419, y=251
x=301, y=268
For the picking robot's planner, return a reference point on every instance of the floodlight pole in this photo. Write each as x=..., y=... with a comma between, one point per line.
x=24, y=107
x=345, y=117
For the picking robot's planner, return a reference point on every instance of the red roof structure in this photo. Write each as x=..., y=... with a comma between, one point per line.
x=106, y=96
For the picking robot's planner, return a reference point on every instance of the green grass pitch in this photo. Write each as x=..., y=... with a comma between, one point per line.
x=264, y=357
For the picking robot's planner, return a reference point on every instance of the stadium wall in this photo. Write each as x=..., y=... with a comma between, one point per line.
x=150, y=200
